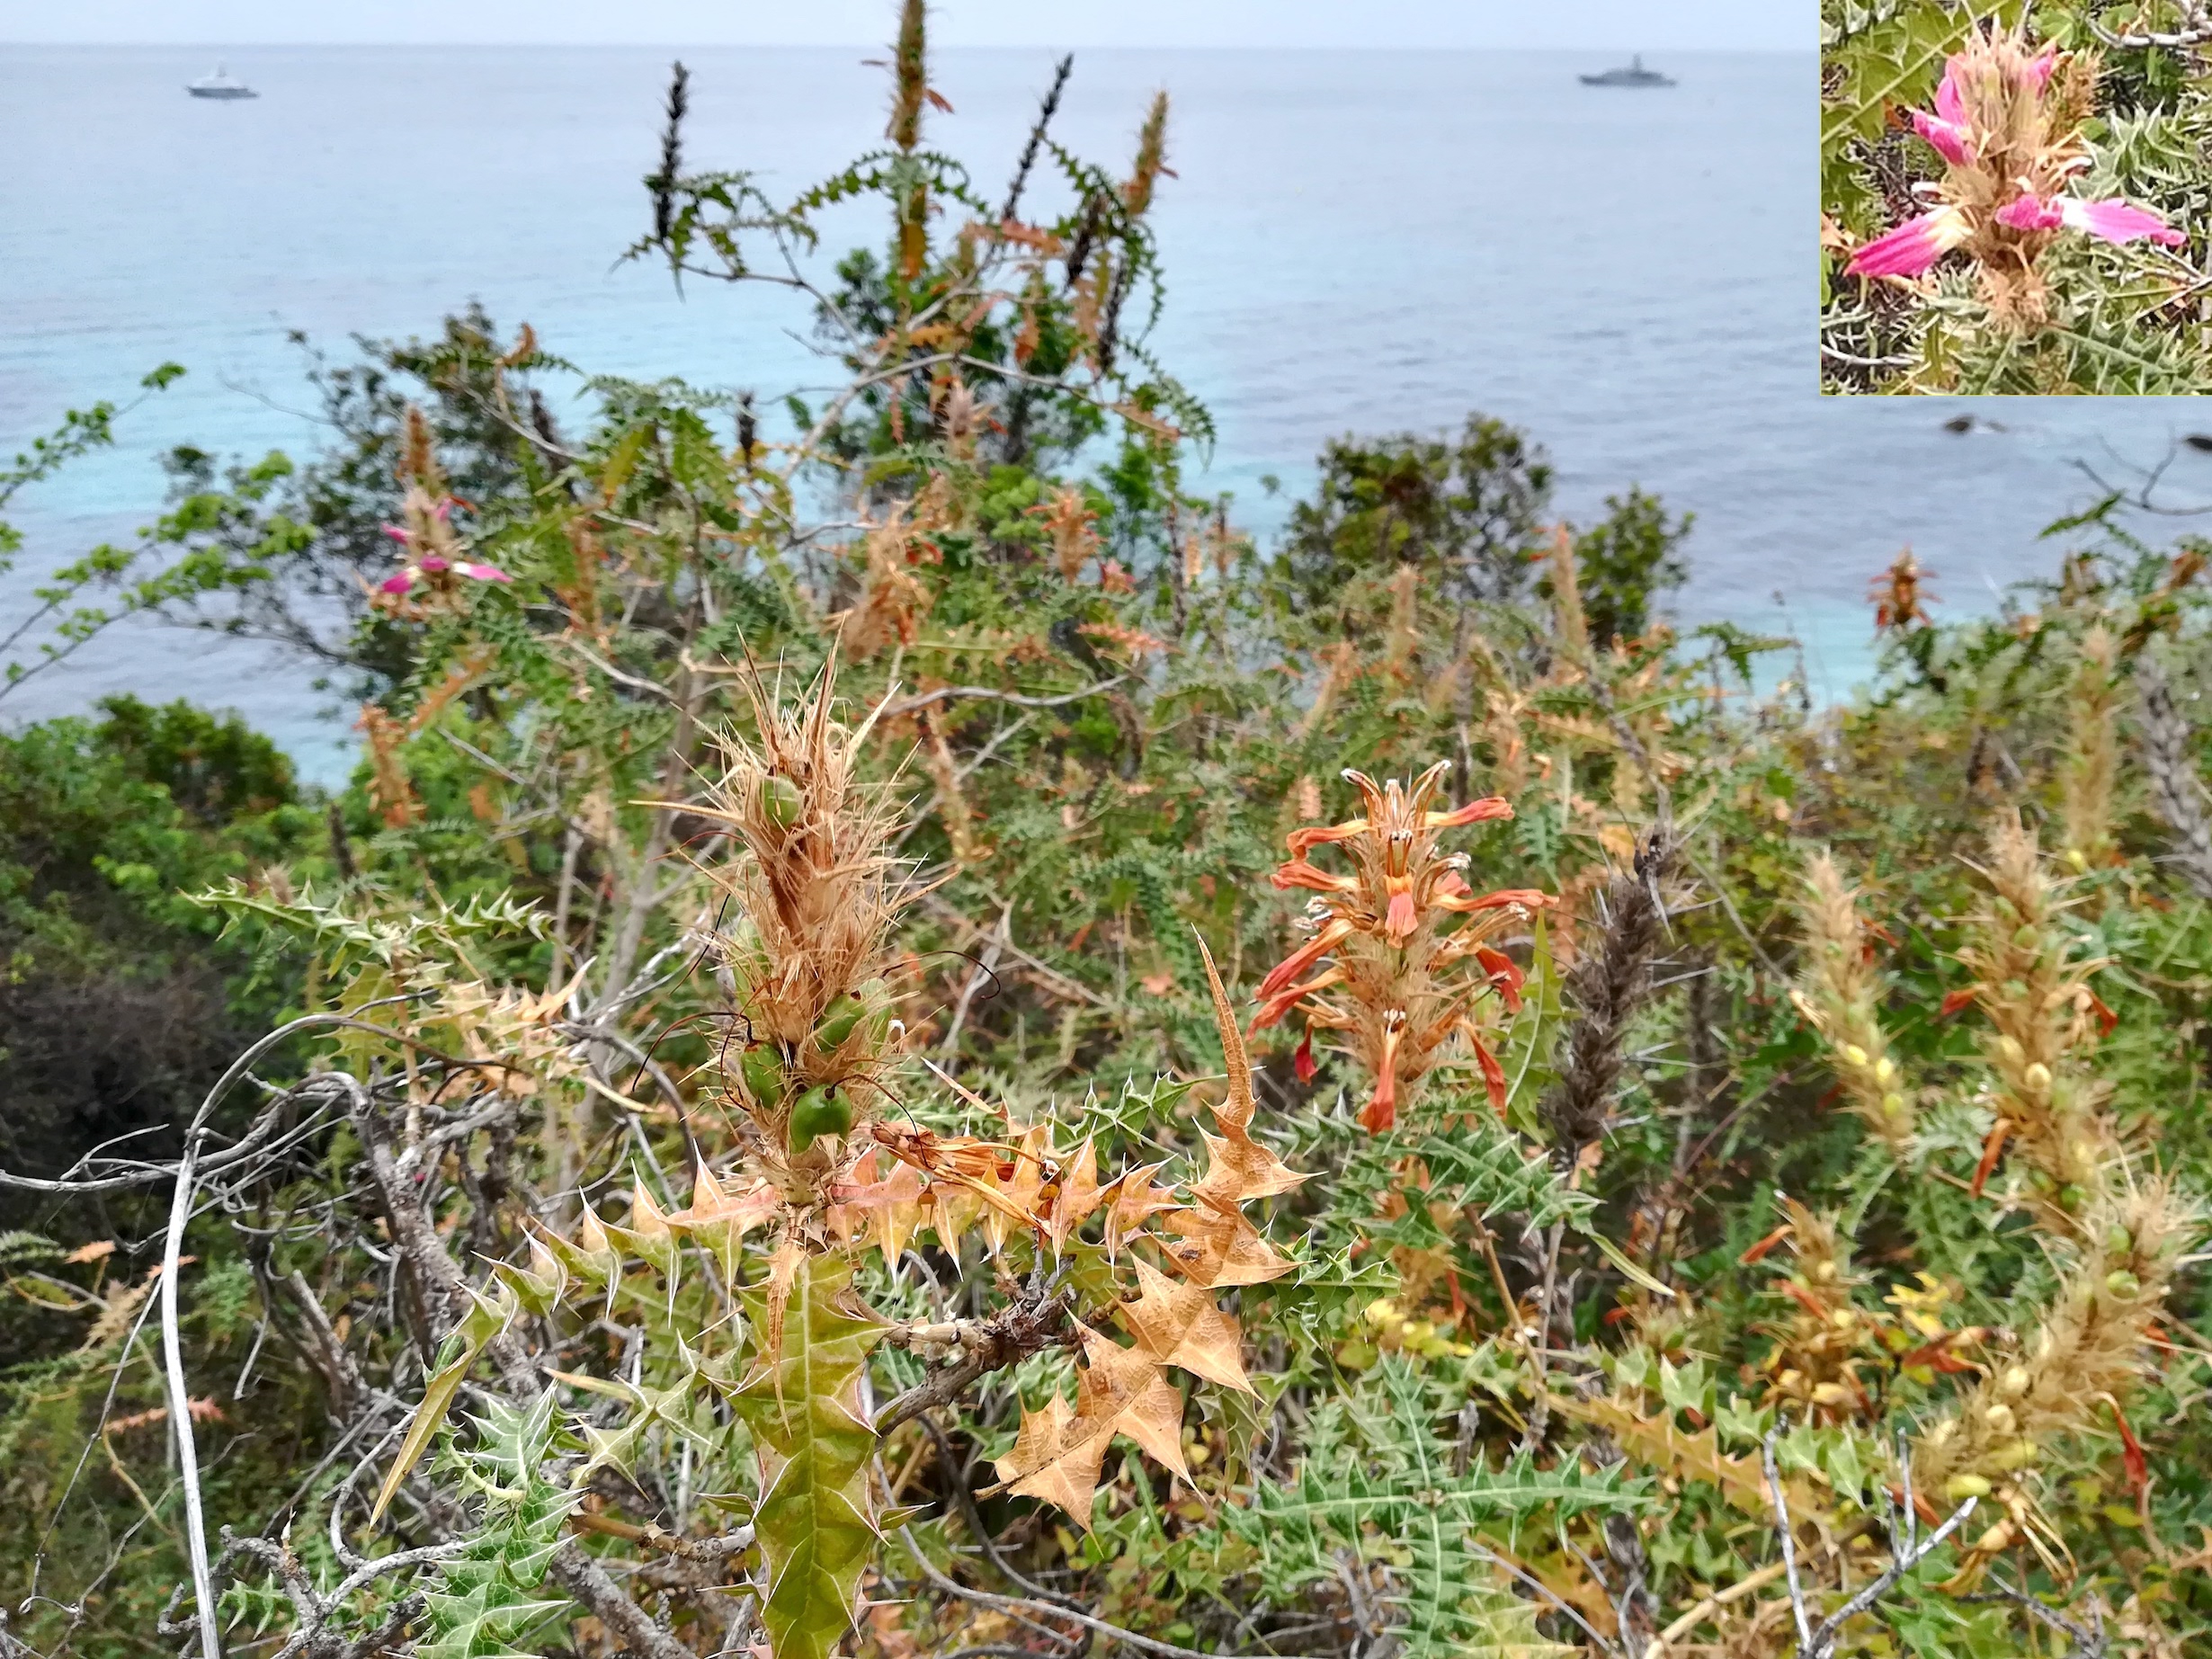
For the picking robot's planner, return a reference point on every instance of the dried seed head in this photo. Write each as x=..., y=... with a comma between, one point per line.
x=814, y=891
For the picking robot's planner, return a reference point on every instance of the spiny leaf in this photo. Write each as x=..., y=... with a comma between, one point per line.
x=485, y=1319
x=803, y=1401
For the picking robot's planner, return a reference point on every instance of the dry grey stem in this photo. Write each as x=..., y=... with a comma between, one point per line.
x=2175, y=783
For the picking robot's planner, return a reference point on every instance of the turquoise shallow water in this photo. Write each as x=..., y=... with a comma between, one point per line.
x=1356, y=242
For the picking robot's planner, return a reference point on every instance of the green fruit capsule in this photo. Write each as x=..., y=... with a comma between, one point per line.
x=2122, y=1283
x=2118, y=1241
x=817, y=1112
x=1960, y=1488
x=831, y=1034
x=2025, y=937
x=781, y=800
x=763, y=1068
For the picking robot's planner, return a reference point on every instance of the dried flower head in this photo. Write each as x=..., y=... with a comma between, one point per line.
x=1839, y=995
x=1819, y=1350
x=2073, y=1374
x=1899, y=600
x=816, y=889
x=2008, y=124
x=1407, y=970
x=2031, y=983
x=2092, y=751
x=1151, y=158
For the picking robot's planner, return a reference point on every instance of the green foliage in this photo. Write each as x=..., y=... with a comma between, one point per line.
x=1377, y=1475
x=484, y=1606
x=1469, y=514
x=1488, y=1362
x=1625, y=560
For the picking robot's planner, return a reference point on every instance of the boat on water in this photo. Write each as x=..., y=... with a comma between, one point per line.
x=220, y=85
x=1635, y=75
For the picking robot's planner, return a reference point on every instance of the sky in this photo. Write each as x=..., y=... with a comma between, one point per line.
x=1623, y=25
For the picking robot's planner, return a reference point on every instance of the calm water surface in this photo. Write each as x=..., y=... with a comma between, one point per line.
x=1354, y=243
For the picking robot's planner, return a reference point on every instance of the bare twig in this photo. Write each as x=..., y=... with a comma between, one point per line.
x=2174, y=782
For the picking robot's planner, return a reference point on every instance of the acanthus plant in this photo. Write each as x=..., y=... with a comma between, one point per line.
x=808, y=1159
x=2007, y=123
x=429, y=582
x=1408, y=941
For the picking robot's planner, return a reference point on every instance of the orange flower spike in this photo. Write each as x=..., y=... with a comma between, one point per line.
x=1305, y=957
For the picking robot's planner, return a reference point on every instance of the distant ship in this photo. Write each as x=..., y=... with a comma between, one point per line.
x=1635, y=75
x=220, y=86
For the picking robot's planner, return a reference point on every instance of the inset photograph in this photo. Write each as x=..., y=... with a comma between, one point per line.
x=2016, y=201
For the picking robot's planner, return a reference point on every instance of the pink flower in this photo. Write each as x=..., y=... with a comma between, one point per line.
x=398, y=534
x=2030, y=213
x=1948, y=138
x=1951, y=96
x=2038, y=75
x=1912, y=247
x=2108, y=221
x=433, y=567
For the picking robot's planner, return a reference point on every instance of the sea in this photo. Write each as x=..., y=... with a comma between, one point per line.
x=1353, y=242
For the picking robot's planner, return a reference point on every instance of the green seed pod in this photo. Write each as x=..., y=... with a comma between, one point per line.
x=781, y=800
x=832, y=1032
x=2122, y=1283
x=2008, y=1456
x=1960, y=1488
x=817, y=1112
x=2118, y=1241
x=763, y=1070
x=2025, y=937
x=2070, y=1197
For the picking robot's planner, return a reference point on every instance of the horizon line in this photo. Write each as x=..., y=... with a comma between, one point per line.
x=870, y=45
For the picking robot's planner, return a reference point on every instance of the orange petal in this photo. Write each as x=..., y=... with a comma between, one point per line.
x=1503, y=975
x=1493, y=1078
x=1401, y=919
x=1528, y=898
x=1284, y=1001
x=1316, y=835
x=1485, y=811
x=1381, y=1112
x=1304, y=958
x=1298, y=873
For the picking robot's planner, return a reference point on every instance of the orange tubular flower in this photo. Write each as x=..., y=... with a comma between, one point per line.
x=1406, y=973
